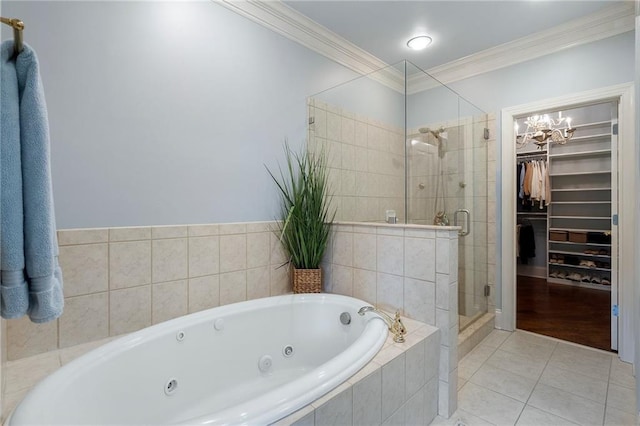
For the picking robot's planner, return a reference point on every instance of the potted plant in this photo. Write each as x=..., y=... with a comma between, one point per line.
x=305, y=219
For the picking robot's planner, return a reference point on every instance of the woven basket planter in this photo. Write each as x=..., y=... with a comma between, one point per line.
x=307, y=280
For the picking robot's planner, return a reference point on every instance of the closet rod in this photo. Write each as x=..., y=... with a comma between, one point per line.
x=18, y=27
x=527, y=156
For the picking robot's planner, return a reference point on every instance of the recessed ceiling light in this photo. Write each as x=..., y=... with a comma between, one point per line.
x=419, y=42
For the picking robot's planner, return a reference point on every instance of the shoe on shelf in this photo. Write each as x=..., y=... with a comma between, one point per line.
x=586, y=278
x=574, y=277
x=605, y=281
x=562, y=275
x=583, y=262
x=553, y=259
x=590, y=251
x=559, y=259
x=553, y=274
x=596, y=280
x=603, y=252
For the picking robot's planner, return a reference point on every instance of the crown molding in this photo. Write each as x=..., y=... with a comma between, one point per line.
x=284, y=20
x=608, y=22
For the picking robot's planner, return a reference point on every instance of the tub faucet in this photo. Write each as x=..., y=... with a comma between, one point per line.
x=395, y=324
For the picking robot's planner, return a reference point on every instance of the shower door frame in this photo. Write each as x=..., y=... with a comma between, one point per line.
x=627, y=154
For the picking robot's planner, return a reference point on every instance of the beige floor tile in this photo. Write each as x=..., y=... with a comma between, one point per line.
x=489, y=405
x=504, y=382
x=567, y=405
x=461, y=383
x=473, y=360
x=622, y=398
x=615, y=417
x=581, y=360
x=576, y=383
x=520, y=343
x=532, y=416
x=524, y=365
x=496, y=338
x=622, y=374
x=461, y=417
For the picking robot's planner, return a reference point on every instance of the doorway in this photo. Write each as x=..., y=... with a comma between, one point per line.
x=566, y=212
x=622, y=175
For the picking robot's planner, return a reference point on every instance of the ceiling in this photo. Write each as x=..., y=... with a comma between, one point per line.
x=459, y=28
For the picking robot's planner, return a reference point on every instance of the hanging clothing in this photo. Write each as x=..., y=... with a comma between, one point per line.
x=30, y=277
x=527, y=243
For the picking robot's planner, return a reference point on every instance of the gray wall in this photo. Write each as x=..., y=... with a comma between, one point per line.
x=166, y=113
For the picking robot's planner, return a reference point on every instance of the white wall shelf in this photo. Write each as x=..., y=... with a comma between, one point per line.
x=592, y=153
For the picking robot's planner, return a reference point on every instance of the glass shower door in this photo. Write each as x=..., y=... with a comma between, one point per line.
x=447, y=180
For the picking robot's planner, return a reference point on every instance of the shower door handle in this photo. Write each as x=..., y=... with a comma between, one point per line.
x=466, y=230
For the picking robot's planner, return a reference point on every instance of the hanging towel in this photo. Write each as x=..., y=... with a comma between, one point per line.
x=30, y=277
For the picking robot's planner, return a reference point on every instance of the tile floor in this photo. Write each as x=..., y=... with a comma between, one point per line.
x=522, y=378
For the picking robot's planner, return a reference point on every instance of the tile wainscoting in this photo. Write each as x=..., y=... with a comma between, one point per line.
x=408, y=268
x=119, y=280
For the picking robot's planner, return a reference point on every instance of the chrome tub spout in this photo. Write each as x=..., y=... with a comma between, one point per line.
x=395, y=324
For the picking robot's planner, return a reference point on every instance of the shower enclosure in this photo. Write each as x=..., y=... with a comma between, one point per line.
x=403, y=145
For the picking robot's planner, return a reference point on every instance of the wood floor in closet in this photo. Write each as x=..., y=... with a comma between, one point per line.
x=578, y=315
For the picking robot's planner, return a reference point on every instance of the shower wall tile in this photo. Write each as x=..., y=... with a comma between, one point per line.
x=416, y=251
x=130, y=310
x=233, y=287
x=203, y=230
x=70, y=237
x=25, y=338
x=342, y=280
x=233, y=228
x=169, y=259
x=129, y=264
x=419, y=300
x=85, y=268
x=390, y=294
x=161, y=232
x=258, y=283
x=233, y=252
x=393, y=385
x=389, y=254
x=204, y=293
x=204, y=256
x=364, y=285
x=280, y=281
x=169, y=300
x=258, y=248
x=134, y=233
x=85, y=318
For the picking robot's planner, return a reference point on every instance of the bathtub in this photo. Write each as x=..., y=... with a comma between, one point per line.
x=248, y=363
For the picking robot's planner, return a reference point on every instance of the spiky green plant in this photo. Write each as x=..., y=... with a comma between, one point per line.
x=305, y=220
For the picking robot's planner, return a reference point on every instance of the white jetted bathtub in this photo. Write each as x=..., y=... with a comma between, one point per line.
x=252, y=362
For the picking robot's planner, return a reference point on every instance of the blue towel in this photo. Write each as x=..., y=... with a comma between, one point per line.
x=30, y=277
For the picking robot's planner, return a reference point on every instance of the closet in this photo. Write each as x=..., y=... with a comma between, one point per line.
x=567, y=234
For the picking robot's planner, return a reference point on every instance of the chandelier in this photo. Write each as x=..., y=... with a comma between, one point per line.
x=542, y=129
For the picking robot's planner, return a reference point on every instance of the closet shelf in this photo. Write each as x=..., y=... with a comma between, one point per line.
x=581, y=154
x=579, y=284
x=575, y=253
x=580, y=244
x=579, y=189
x=581, y=217
x=579, y=230
x=592, y=124
x=581, y=202
x=532, y=213
x=580, y=267
x=597, y=172
x=596, y=136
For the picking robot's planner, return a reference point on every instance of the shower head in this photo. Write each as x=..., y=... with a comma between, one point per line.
x=440, y=133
